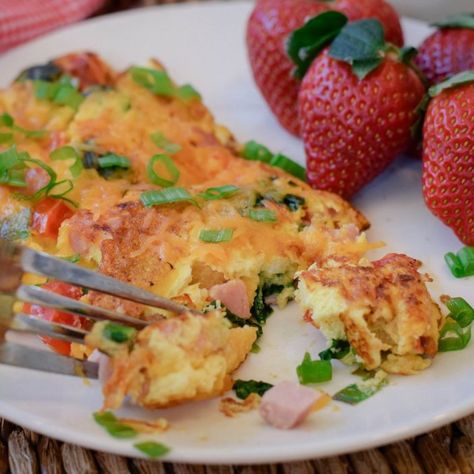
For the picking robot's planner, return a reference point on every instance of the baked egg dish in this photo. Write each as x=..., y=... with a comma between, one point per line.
x=128, y=174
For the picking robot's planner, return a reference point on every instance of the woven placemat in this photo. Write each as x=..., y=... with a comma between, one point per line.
x=449, y=450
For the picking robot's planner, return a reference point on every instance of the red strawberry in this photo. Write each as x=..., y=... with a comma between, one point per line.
x=268, y=29
x=448, y=155
x=356, y=119
x=449, y=50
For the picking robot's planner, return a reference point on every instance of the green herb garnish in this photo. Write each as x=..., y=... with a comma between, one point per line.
x=462, y=263
x=313, y=371
x=7, y=121
x=160, y=83
x=243, y=388
x=216, y=235
x=112, y=160
x=61, y=92
x=165, y=196
x=256, y=152
x=152, y=449
x=113, y=426
x=356, y=393
x=219, y=192
x=69, y=153
x=118, y=333
x=338, y=350
x=455, y=335
x=173, y=171
x=262, y=215
x=162, y=142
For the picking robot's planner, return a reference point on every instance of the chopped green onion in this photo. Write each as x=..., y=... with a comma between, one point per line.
x=461, y=311
x=113, y=426
x=256, y=152
x=72, y=258
x=188, y=92
x=5, y=138
x=219, y=192
x=262, y=215
x=462, y=264
x=62, y=92
x=118, y=333
x=16, y=226
x=152, y=449
x=453, y=337
x=69, y=153
x=155, y=81
x=170, y=166
x=466, y=257
x=165, y=196
x=338, y=350
x=216, y=235
x=113, y=161
x=162, y=142
x=290, y=166
x=356, y=393
x=314, y=371
x=243, y=388
x=6, y=120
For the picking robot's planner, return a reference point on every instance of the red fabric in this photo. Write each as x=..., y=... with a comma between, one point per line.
x=22, y=20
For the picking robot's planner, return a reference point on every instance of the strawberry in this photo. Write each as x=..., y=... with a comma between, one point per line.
x=449, y=50
x=448, y=154
x=268, y=31
x=357, y=105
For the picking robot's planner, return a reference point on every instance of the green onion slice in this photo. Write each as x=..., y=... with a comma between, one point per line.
x=62, y=92
x=462, y=264
x=262, y=215
x=216, y=235
x=290, y=166
x=118, y=333
x=256, y=152
x=165, y=196
x=219, y=192
x=170, y=166
x=112, y=160
x=152, y=449
x=453, y=337
x=338, y=350
x=243, y=388
x=314, y=371
x=162, y=142
x=155, y=81
x=113, y=426
x=188, y=92
x=461, y=311
x=6, y=120
x=69, y=153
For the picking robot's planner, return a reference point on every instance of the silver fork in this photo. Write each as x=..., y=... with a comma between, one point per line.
x=15, y=261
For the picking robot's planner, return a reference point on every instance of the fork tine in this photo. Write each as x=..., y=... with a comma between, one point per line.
x=37, y=295
x=43, y=264
x=22, y=356
x=26, y=323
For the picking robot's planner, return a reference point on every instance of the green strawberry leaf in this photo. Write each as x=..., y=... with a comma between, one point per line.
x=359, y=40
x=460, y=79
x=305, y=43
x=362, y=67
x=460, y=20
x=407, y=53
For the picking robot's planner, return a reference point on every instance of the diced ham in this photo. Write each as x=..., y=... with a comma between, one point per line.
x=287, y=404
x=233, y=294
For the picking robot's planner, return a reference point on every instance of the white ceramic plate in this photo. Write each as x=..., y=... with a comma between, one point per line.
x=204, y=44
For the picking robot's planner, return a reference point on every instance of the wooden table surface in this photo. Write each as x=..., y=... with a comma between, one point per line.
x=449, y=450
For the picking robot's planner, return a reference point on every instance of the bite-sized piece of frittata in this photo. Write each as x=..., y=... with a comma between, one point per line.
x=382, y=308
x=175, y=360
